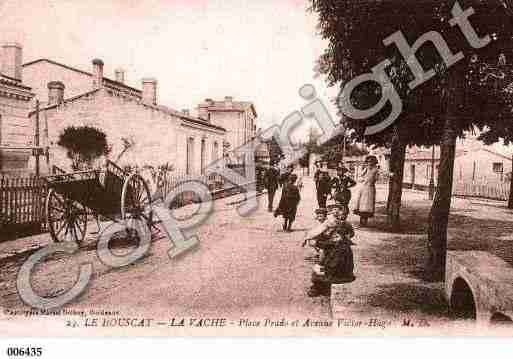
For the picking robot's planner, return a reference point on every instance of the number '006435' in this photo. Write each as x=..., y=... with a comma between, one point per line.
x=24, y=352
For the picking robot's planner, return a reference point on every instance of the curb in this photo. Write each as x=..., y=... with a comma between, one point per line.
x=14, y=256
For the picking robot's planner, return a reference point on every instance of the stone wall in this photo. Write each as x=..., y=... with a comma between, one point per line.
x=159, y=137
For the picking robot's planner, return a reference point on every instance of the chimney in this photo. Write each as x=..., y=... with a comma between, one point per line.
x=186, y=112
x=149, y=91
x=203, y=111
x=120, y=75
x=97, y=73
x=11, y=60
x=55, y=92
x=228, y=101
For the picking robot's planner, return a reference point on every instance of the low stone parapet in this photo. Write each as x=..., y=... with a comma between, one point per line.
x=479, y=285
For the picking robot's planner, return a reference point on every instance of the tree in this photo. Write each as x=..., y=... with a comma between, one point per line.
x=500, y=78
x=447, y=104
x=355, y=32
x=83, y=144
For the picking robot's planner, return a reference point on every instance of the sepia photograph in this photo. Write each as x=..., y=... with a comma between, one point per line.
x=287, y=168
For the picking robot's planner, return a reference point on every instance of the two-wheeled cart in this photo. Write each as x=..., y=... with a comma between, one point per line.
x=110, y=192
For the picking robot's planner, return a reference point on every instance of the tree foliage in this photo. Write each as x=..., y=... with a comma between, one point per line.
x=356, y=30
x=439, y=110
x=83, y=144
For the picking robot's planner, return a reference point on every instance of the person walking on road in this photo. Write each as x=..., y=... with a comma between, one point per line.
x=323, y=188
x=289, y=201
x=366, y=195
x=271, y=183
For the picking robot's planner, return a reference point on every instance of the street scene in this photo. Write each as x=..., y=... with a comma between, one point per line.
x=345, y=170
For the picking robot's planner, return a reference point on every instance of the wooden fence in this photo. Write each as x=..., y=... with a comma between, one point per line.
x=22, y=201
x=499, y=191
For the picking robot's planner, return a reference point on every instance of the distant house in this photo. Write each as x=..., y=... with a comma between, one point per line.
x=237, y=117
x=160, y=134
x=16, y=130
x=474, y=163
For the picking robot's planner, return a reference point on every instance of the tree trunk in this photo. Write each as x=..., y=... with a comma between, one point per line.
x=439, y=214
x=510, y=199
x=395, y=187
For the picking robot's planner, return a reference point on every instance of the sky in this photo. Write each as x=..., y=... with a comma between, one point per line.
x=261, y=51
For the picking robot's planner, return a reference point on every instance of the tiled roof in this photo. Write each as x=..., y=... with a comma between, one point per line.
x=68, y=100
x=188, y=118
x=421, y=155
x=239, y=106
x=106, y=79
x=13, y=82
x=161, y=108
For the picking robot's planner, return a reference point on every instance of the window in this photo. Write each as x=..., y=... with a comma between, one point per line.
x=190, y=156
x=215, y=152
x=203, y=159
x=497, y=167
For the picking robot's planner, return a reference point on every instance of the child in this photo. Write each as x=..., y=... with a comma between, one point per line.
x=321, y=214
x=337, y=264
x=289, y=201
x=341, y=183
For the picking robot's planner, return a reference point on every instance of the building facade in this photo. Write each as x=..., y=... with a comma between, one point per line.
x=474, y=163
x=237, y=117
x=159, y=135
x=16, y=129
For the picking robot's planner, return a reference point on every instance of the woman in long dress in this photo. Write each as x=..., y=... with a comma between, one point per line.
x=289, y=201
x=365, y=200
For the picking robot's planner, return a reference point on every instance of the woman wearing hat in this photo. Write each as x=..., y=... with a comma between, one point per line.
x=365, y=200
x=289, y=201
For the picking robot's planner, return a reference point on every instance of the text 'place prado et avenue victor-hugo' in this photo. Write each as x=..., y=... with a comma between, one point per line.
x=287, y=168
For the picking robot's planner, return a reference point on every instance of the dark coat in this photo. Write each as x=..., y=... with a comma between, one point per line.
x=271, y=179
x=341, y=186
x=289, y=201
x=324, y=184
x=338, y=258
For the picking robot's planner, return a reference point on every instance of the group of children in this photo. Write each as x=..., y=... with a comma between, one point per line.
x=331, y=238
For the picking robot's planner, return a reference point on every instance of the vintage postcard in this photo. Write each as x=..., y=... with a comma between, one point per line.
x=256, y=168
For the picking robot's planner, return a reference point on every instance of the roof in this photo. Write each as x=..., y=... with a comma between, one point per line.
x=13, y=82
x=106, y=79
x=236, y=106
x=425, y=155
x=66, y=101
x=161, y=108
x=187, y=118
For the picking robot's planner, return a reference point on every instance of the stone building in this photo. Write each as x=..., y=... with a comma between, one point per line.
x=237, y=117
x=16, y=130
x=160, y=134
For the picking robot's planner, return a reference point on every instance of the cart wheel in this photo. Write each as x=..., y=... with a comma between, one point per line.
x=66, y=218
x=136, y=200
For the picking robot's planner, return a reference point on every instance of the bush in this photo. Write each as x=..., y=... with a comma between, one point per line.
x=83, y=145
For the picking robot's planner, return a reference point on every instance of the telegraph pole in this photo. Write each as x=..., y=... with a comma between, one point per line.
x=36, y=138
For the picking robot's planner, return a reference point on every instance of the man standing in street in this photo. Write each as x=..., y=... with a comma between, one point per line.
x=323, y=188
x=271, y=182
